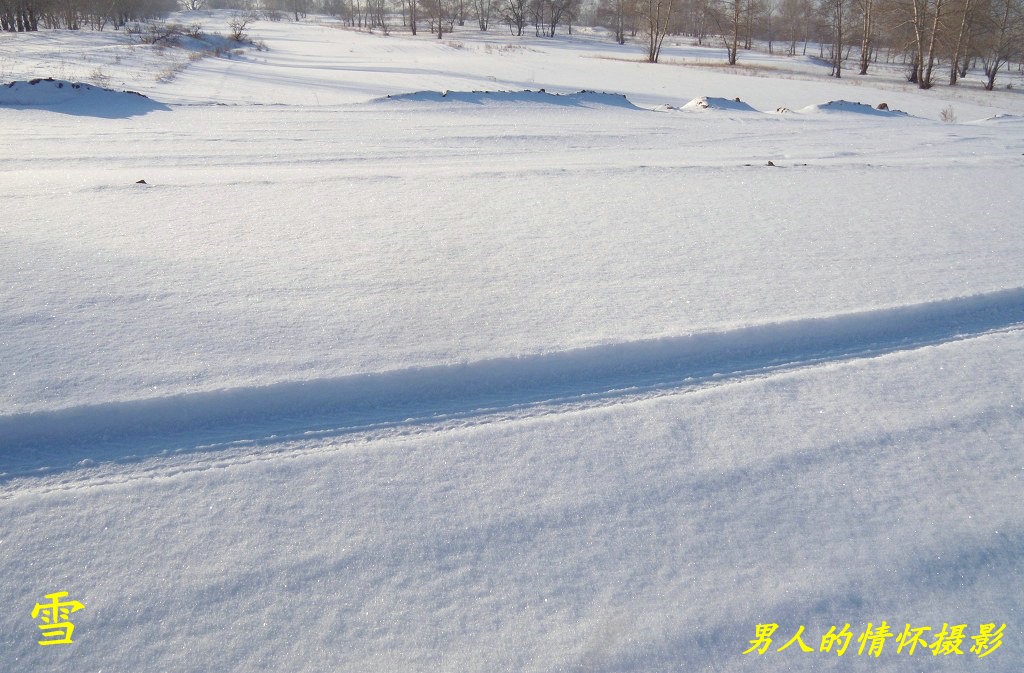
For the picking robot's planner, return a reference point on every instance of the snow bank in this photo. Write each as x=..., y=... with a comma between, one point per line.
x=1000, y=119
x=845, y=106
x=76, y=98
x=578, y=99
x=449, y=389
x=712, y=103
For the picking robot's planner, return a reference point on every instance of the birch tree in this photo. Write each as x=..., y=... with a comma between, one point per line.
x=656, y=15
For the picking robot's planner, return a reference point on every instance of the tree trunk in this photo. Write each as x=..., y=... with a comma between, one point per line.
x=837, y=54
x=865, y=40
x=737, y=8
x=919, y=19
x=926, y=81
x=954, y=61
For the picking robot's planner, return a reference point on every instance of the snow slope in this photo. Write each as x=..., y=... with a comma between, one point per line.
x=503, y=380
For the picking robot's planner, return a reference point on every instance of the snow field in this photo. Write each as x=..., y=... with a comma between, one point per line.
x=503, y=381
x=638, y=537
x=286, y=244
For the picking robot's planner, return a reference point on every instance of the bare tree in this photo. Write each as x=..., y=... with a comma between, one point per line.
x=514, y=13
x=1003, y=38
x=835, y=12
x=440, y=14
x=960, y=45
x=733, y=10
x=237, y=26
x=615, y=14
x=380, y=15
x=656, y=16
x=484, y=9
x=794, y=16
x=769, y=10
x=867, y=27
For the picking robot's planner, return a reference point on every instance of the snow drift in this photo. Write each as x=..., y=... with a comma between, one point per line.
x=578, y=99
x=392, y=396
x=1000, y=119
x=712, y=103
x=845, y=106
x=76, y=98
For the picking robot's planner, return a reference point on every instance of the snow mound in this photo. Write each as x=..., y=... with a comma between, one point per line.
x=1000, y=119
x=711, y=103
x=75, y=98
x=845, y=106
x=578, y=99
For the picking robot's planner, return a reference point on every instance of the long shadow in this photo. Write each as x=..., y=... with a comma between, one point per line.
x=577, y=99
x=51, y=439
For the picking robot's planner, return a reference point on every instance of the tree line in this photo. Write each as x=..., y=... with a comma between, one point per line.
x=927, y=36
x=933, y=39
x=28, y=15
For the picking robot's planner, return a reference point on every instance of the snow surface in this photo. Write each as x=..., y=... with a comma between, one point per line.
x=502, y=380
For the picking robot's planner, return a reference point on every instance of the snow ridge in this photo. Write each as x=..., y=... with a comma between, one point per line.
x=395, y=395
x=577, y=99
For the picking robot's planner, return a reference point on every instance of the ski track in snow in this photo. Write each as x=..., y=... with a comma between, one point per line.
x=231, y=425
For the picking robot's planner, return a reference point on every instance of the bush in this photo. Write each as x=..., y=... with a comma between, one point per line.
x=237, y=26
x=167, y=34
